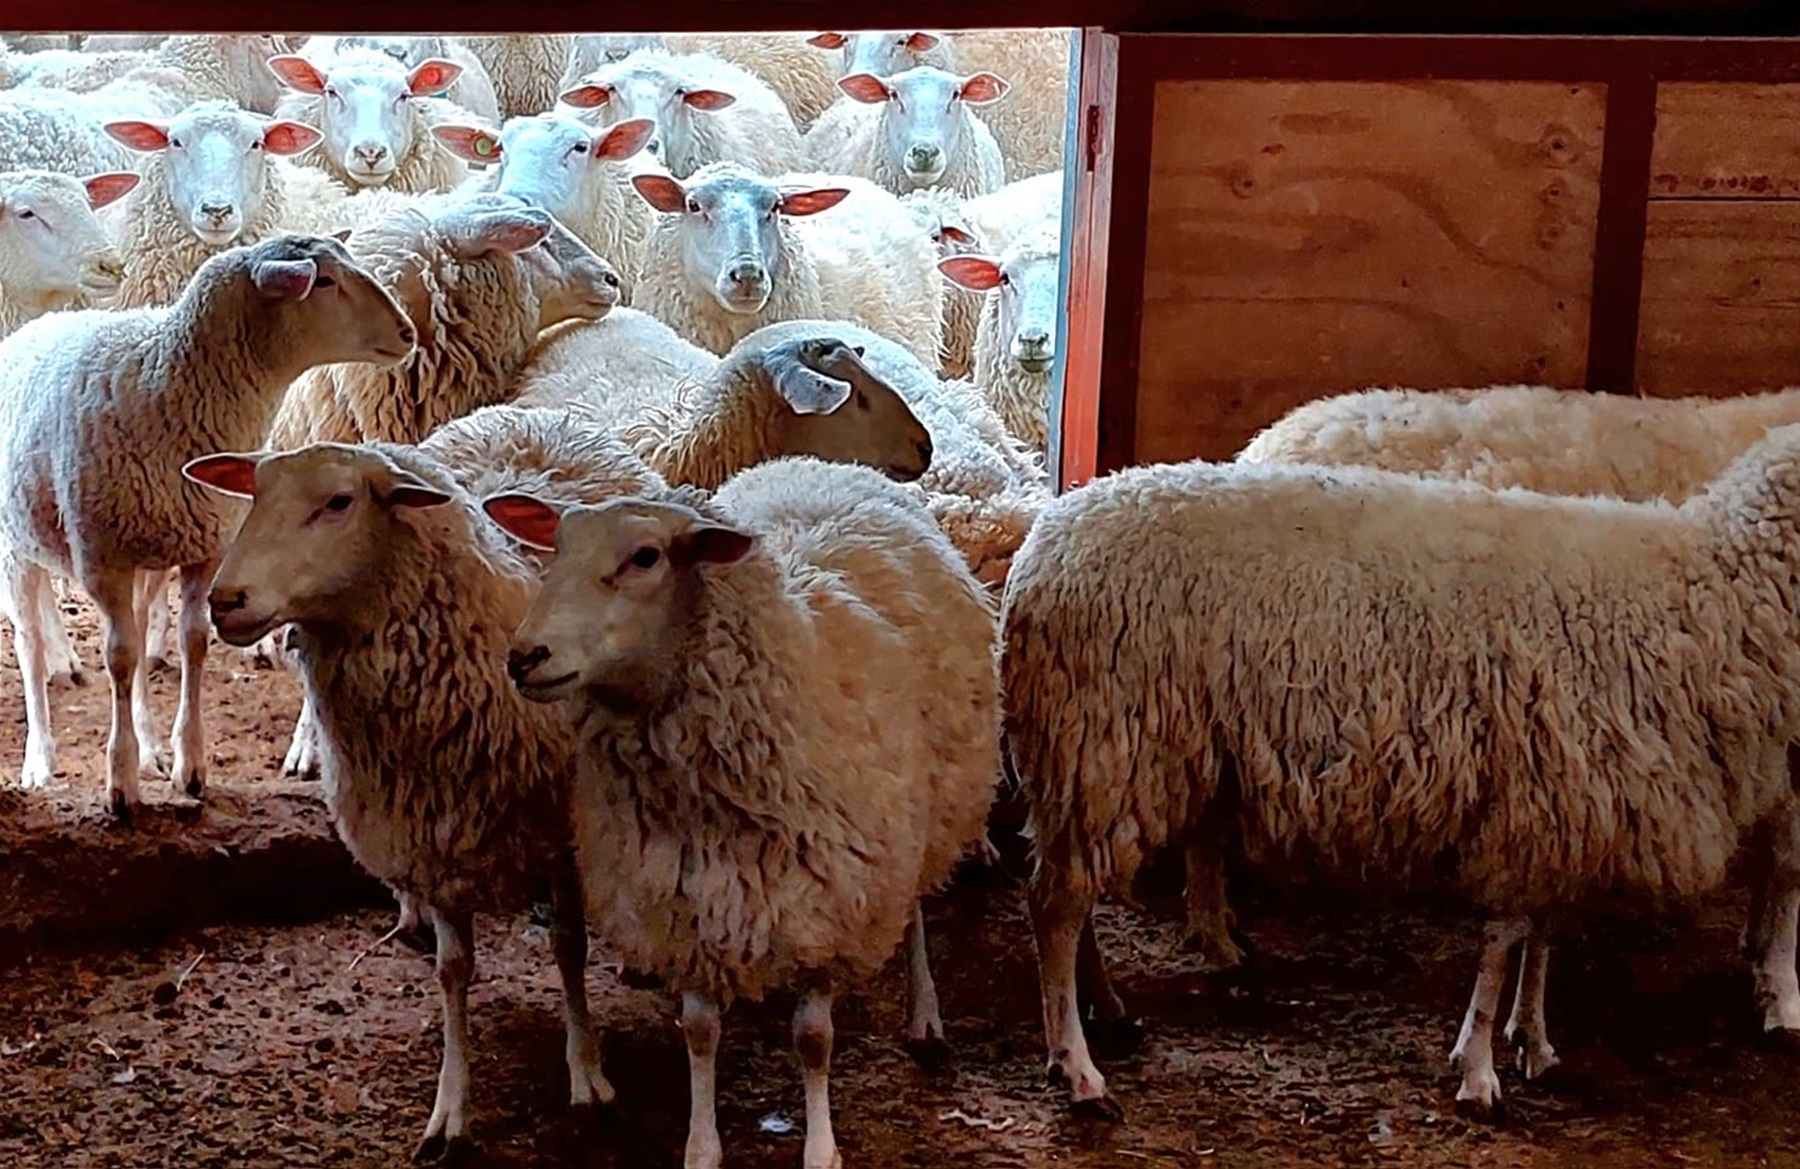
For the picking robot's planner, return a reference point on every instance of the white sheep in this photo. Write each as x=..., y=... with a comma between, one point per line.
x=53, y=252
x=456, y=795
x=1021, y=207
x=733, y=251
x=706, y=111
x=885, y=52
x=943, y=214
x=216, y=177
x=914, y=129
x=785, y=61
x=815, y=614
x=1015, y=342
x=526, y=70
x=190, y=68
x=576, y=173
x=611, y=368
x=98, y=411
x=53, y=131
x=376, y=117
x=472, y=90
x=1574, y=698
x=589, y=51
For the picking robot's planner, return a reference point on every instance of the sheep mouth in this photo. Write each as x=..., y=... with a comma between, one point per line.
x=1035, y=364
x=924, y=178
x=903, y=474
x=744, y=303
x=243, y=629
x=101, y=284
x=545, y=690
x=366, y=176
x=217, y=237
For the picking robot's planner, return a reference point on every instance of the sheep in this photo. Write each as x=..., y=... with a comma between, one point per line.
x=589, y=51
x=943, y=215
x=706, y=110
x=215, y=179
x=98, y=411
x=191, y=68
x=472, y=90
x=611, y=368
x=1316, y=648
x=1019, y=208
x=573, y=171
x=784, y=61
x=914, y=129
x=814, y=613
x=885, y=52
x=53, y=252
x=376, y=118
x=733, y=251
x=457, y=796
x=1015, y=343
x=526, y=70
x=53, y=131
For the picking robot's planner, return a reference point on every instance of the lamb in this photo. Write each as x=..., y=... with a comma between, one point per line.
x=1015, y=343
x=707, y=111
x=526, y=70
x=734, y=251
x=457, y=797
x=914, y=129
x=1648, y=652
x=785, y=61
x=376, y=117
x=944, y=216
x=98, y=411
x=576, y=173
x=814, y=612
x=53, y=252
x=472, y=90
x=215, y=179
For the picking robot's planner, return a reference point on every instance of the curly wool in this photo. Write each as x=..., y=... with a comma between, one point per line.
x=1536, y=701
x=1028, y=122
x=477, y=321
x=830, y=751
x=1559, y=442
x=56, y=132
x=525, y=69
x=803, y=77
x=934, y=208
x=609, y=369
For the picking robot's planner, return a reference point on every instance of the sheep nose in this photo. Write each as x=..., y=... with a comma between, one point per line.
x=520, y=662
x=215, y=210
x=371, y=155
x=408, y=336
x=746, y=272
x=1034, y=340
x=925, y=450
x=221, y=601
x=923, y=157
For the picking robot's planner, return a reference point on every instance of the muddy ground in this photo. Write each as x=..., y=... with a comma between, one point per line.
x=179, y=994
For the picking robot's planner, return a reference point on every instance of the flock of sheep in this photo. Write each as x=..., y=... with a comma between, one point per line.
x=659, y=533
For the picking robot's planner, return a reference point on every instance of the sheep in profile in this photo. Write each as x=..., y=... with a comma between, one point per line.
x=815, y=612
x=54, y=254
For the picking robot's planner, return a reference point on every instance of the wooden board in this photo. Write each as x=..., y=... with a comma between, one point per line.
x=1306, y=238
x=1726, y=141
x=1721, y=311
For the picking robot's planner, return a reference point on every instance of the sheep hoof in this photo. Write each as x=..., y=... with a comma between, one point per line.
x=121, y=808
x=542, y=914
x=1481, y=1111
x=418, y=937
x=640, y=979
x=930, y=1053
x=1099, y=1108
x=1782, y=1039
x=437, y=1150
x=1113, y=1038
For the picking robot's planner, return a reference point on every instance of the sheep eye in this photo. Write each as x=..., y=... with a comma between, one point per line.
x=581, y=148
x=646, y=557
x=337, y=503
x=175, y=143
x=693, y=205
x=28, y=214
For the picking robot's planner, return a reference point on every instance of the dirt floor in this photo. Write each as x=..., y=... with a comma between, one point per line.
x=179, y=993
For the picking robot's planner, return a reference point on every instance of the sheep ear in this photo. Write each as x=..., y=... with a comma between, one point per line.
x=710, y=544
x=284, y=279
x=624, y=139
x=530, y=521
x=431, y=78
x=921, y=42
x=143, y=137
x=661, y=192
x=469, y=143
x=228, y=474
x=708, y=99
x=951, y=231
x=975, y=273
x=473, y=234
x=297, y=73
x=812, y=202
x=981, y=89
x=586, y=97
x=828, y=40
x=342, y=235
x=109, y=187
x=805, y=389
x=289, y=137
x=866, y=87
x=415, y=495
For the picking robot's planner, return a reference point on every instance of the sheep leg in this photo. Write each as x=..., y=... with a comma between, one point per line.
x=569, y=942
x=1473, y=1054
x=700, y=1027
x=1772, y=931
x=1209, y=916
x=812, y=1040
x=455, y=968
x=1525, y=1029
x=190, y=732
x=27, y=586
x=410, y=928
x=151, y=749
x=1104, y=1020
x=1057, y=919
x=155, y=616
x=59, y=648
x=115, y=594
x=924, y=1023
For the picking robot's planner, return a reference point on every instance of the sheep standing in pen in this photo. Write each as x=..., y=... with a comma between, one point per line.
x=578, y=174
x=1019, y=208
x=940, y=213
x=457, y=796
x=56, y=132
x=1574, y=698
x=733, y=251
x=589, y=51
x=914, y=129
x=815, y=612
x=53, y=252
x=706, y=111
x=1015, y=341
x=98, y=411
x=784, y=61
x=472, y=90
x=187, y=68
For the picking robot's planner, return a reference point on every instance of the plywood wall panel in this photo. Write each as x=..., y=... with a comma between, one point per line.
x=1311, y=237
x=1718, y=140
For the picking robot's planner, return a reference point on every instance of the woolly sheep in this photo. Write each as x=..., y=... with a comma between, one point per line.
x=376, y=118
x=914, y=129
x=98, y=411
x=526, y=69
x=472, y=90
x=589, y=51
x=784, y=61
x=576, y=173
x=215, y=179
x=611, y=368
x=48, y=130
x=885, y=52
x=53, y=252
x=1015, y=342
x=815, y=608
x=458, y=796
x=1657, y=644
x=942, y=213
x=191, y=68
x=706, y=111
x=1019, y=208
x=733, y=251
